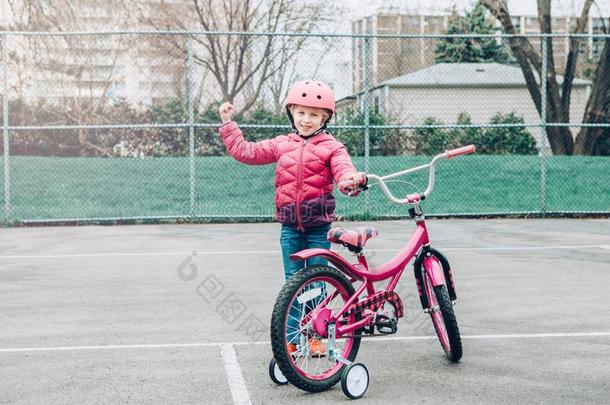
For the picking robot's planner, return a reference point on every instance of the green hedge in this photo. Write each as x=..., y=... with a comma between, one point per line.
x=514, y=140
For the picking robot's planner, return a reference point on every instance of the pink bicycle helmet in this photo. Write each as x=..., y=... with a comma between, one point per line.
x=311, y=93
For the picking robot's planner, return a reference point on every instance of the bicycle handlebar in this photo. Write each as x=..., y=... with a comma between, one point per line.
x=464, y=150
x=417, y=197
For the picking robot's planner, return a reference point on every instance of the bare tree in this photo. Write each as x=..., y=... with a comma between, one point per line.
x=243, y=64
x=558, y=97
x=72, y=62
x=286, y=72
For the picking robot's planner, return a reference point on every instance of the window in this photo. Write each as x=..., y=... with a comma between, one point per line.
x=516, y=23
x=599, y=27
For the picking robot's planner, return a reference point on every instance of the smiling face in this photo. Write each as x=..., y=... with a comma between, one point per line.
x=308, y=120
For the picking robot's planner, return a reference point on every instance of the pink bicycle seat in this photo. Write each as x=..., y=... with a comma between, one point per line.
x=355, y=238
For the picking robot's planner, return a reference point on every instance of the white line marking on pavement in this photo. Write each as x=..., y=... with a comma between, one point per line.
x=511, y=248
x=110, y=254
x=538, y=335
x=109, y=347
x=505, y=336
x=277, y=252
x=237, y=385
x=141, y=254
x=245, y=343
x=567, y=247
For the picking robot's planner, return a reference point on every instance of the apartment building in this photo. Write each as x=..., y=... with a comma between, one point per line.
x=393, y=57
x=144, y=70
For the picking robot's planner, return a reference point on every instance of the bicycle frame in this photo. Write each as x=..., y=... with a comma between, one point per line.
x=392, y=269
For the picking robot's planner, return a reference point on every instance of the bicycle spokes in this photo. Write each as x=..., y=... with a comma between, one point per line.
x=308, y=345
x=435, y=314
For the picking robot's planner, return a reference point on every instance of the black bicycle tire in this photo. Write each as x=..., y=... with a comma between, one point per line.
x=451, y=325
x=277, y=328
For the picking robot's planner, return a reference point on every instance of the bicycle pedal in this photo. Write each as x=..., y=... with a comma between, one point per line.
x=369, y=330
x=386, y=325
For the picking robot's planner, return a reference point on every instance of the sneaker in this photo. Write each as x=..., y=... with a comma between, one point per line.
x=292, y=349
x=316, y=348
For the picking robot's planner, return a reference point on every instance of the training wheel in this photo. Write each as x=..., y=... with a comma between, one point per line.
x=276, y=374
x=355, y=380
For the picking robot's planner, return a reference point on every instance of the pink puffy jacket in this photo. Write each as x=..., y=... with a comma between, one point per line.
x=304, y=173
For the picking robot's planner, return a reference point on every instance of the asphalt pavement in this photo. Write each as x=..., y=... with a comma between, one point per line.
x=180, y=314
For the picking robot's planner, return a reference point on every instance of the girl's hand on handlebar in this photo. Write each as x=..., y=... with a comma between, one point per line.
x=226, y=111
x=353, y=184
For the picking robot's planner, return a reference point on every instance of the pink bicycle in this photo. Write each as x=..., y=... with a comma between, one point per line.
x=321, y=313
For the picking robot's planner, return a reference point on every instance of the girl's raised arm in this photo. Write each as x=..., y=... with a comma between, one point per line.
x=252, y=153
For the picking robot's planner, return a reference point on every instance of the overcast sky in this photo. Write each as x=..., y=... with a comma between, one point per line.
x=359, y=8
x=339, y=61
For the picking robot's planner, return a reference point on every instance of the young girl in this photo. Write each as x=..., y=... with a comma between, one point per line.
x=308, y=161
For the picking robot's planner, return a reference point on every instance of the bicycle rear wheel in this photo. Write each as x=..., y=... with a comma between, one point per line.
x=292, y=337
x=443, y=318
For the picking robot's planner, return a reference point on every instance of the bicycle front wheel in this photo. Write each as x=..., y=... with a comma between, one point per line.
x=298, y=350
x=443, y=318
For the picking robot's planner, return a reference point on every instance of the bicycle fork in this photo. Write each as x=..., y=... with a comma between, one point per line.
x=437, y=276
x=434, y=270
x=436, y=266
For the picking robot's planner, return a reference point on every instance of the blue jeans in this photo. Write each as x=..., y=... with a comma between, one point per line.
x=292, y=241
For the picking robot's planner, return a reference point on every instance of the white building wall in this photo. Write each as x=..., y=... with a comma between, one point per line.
x=413, y=105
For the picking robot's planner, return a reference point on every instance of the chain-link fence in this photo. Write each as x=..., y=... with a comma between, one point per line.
x=118, y=126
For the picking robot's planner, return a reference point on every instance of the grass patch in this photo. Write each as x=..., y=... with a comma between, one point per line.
x=44, y=188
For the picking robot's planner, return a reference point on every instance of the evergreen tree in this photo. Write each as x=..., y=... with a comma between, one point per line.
x=470, y=50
